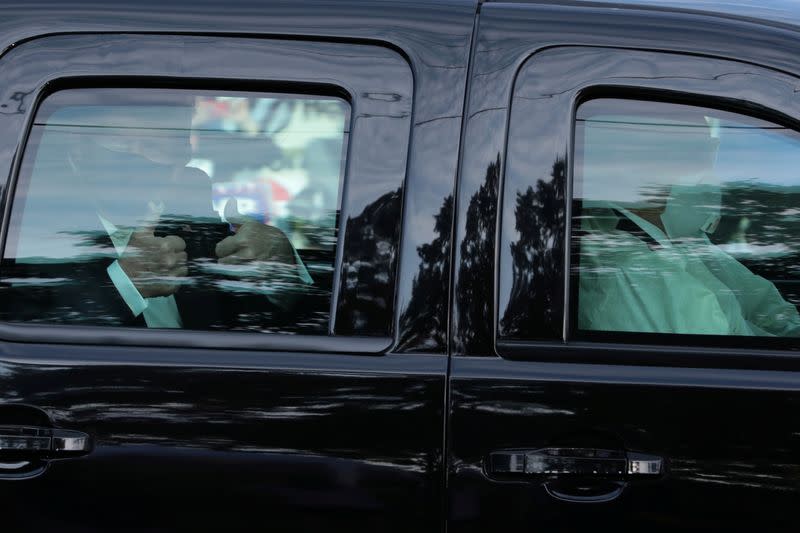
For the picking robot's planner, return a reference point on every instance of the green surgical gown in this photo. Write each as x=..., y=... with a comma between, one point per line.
x=642, y=281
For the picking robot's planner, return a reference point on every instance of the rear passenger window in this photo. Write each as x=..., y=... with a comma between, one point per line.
x=686, y=220
x=177, y=209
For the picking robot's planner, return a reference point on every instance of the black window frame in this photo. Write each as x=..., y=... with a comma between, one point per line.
x=595, y=72
x=48, y=64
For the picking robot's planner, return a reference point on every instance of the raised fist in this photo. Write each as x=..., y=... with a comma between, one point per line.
x=253, y=241
x=154, y=264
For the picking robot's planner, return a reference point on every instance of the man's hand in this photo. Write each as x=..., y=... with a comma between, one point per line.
x=253, y=241
x=152, y=263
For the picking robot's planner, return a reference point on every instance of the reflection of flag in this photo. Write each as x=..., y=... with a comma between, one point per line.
x=261, y=198
x=215, y=108
x=279, y=192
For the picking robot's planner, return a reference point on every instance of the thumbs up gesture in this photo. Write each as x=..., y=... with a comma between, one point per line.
x=153, y=263
x=253, y=240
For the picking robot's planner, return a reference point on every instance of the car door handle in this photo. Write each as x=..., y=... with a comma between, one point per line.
x=574, y=461
x=580, y=475
x=29, y=442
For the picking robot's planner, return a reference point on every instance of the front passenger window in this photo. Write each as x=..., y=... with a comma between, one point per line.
x=686, y=220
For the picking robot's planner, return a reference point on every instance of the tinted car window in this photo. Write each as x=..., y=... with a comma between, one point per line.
x=685, y=221
x=177, y=209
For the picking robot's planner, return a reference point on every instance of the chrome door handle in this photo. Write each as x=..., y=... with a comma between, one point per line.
x=28, y=442
x=585, y=462
x=576, y=475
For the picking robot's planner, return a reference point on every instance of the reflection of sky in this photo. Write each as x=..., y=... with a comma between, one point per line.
x=55, y=207
x=632, y=153
x=627, y=159
x=765, y=155
x=781, y=10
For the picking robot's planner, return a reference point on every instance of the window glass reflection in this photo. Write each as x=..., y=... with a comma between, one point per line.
x=685, y=220
x=171, y=209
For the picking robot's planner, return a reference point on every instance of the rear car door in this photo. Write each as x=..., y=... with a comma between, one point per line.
x=625, y=305
x=326, y=415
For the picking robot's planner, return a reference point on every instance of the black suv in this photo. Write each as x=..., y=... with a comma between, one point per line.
x=357, y=265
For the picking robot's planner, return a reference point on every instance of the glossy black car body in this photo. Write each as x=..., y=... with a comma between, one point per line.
x=386, y=424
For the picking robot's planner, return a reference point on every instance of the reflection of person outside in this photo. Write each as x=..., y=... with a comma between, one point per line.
x=226, y=114
x=652, y=268
x=312, y=211
x=150, y=268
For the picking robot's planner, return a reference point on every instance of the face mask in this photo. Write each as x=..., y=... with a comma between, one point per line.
x=692, y=210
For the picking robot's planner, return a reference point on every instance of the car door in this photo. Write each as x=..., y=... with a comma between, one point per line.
x=318, y=420
x=624, y=328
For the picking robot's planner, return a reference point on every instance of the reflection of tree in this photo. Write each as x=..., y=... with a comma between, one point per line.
x=424, y=321
x=762, y=220
x=368, y=268
x=474, y=293
x=19, y=106
x=535, y=305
